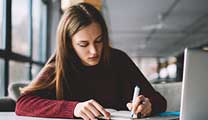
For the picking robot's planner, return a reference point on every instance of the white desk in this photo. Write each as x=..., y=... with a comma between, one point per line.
x=13, y=116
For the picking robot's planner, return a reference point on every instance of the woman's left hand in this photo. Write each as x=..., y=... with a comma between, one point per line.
x=141, y=105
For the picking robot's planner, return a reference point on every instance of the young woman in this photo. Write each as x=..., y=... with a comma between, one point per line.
x=86, y=75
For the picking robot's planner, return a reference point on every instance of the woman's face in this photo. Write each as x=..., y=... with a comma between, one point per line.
x=88, y=44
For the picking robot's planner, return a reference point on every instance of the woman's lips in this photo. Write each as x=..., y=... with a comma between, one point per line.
x=93, y=58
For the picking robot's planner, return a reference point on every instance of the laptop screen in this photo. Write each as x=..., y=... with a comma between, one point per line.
x=194, y=102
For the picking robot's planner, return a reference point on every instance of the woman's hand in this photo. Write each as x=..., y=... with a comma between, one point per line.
x=141, y=105
x=89, y=110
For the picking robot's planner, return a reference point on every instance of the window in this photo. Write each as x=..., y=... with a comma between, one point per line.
x=39, y=30
x=2, y=88
x=16, y=74
x=1, y=16
x=23, y=51
x=35, y=70
x=20, y=26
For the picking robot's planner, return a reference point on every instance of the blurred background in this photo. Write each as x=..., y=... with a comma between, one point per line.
x=154, y=33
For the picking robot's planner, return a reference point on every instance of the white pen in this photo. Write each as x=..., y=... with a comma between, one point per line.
x=136, y=93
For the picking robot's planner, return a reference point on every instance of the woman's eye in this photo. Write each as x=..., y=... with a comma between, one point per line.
x=83, y=44
x=99, y=40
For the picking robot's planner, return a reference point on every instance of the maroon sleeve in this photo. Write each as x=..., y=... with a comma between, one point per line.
x=43, y=103
x=30, y=105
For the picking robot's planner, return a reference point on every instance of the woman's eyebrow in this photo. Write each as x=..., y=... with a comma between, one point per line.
x=98, y=36
x=82, y=40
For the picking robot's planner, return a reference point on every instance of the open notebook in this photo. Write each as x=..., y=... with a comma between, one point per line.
x=118, y=115
x=125, y=115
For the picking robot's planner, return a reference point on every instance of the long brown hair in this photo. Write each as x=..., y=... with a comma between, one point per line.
x=73, y=20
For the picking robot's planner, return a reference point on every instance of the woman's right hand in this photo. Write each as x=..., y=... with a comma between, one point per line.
x=90, y=110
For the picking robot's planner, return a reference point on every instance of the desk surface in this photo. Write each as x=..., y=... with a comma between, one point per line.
x=13, y=116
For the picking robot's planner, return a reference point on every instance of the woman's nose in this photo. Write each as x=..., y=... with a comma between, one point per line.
x=93, y=50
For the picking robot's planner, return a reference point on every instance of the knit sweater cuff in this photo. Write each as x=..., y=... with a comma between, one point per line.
x=68, y=109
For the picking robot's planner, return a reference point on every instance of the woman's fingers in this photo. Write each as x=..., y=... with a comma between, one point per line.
x=89, y=110
x=148, y=108
x=101, y=109
x=84, y=116
x=81, y=110
x=89, y=113
x=137, y=103
x=129, y=106
x=146, y=112
x=93, y=109
x=141, y=105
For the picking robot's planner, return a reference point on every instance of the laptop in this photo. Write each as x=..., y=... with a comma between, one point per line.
x=194, y=99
